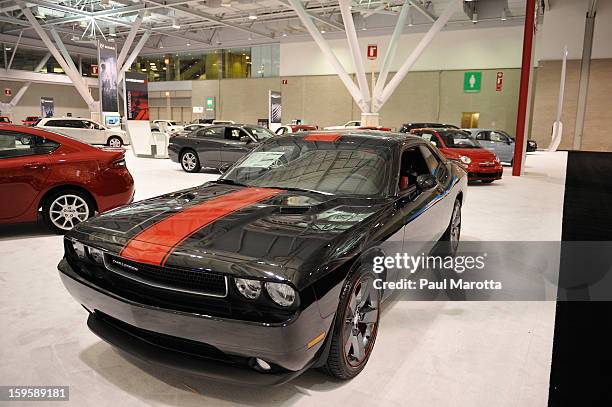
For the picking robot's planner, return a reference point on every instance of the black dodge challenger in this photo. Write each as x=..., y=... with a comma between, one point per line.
x=266, y=272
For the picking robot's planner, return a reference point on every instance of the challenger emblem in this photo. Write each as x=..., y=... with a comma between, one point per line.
x=128, y=266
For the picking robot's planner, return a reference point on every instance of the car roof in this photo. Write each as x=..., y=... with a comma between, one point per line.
x=385, y=137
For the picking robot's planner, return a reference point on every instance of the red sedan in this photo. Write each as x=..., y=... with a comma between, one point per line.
x=67, y=180
x=458, y=145
x=30, y=120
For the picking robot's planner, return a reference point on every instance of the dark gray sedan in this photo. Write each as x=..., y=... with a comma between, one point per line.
x=215, y=146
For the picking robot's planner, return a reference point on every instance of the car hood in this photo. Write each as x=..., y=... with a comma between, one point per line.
x=257, y=232
x=478, y=154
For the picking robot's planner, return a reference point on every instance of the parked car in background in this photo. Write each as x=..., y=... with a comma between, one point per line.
x=268, y=271
x=168, y=126
x=378, y=128
x=5, y=120
x=193, y=127
x=85, y=130
x=215, y=146
x=294, y=128
x=408, y=127
x=500, y=142
x=30, y=120
x=65, y=180
x=458, y=145
x=353, y=124
x=223, y=122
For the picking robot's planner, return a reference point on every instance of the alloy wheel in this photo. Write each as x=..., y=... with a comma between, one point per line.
x=114, y=142
x=455, y=232
x=189, y=161
x=67, y=211
x=361, y=321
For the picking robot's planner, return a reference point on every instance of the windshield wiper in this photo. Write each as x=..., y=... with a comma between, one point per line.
x=229, y=182
x=303, y=190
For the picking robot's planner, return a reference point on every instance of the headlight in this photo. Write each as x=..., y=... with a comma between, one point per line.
x=79, y=249
x=250, y=289
x=465, y=160
x=282, y=294
x=96, y=255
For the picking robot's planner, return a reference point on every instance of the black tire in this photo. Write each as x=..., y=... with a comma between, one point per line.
x=339, y=360
x=190, y=162
x=114, y=141
x=487, y=181
x=449, y=242
x=78, y=208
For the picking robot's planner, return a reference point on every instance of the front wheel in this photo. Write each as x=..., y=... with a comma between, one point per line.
x=453, y=232
x=190, y=161
x=114, y=141
x=355, y=327
x=63, y=210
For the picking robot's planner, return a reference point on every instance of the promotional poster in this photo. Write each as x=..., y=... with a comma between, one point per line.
x=47, y=108
x=275, y=109
x=136, y=96
x=107, y=58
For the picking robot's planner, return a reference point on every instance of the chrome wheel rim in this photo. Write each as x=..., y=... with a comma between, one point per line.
x=455, y=232
x=114, y=142
x=67, y=211
x=189, y=161
x=360, y=322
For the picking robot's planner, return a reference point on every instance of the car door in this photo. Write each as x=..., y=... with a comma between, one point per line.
x=208, y=143
x=426, y=212
x=24, y=168
x=504, y=146
x=237, y=143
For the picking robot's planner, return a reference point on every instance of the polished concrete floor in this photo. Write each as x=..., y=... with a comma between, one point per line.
x=427, y=353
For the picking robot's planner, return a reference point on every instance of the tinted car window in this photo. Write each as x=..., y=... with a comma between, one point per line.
x=496, y=136
x=13, y=144
x=212, y=132
x=260, y=133
x=56, y=123
x=482, y=135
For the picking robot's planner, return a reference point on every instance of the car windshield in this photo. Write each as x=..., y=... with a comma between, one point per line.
x=260, y=133
x=4, y=119
x=324, y=167
x=172, y=124
x=459, y=139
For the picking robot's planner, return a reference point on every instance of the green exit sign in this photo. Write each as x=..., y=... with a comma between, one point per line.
x=210, y=103
x=472, y=81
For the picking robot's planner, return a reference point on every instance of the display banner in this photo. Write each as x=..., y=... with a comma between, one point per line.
x=47, y=108
x=137, y=96
x=107, y=61
x=275, y=110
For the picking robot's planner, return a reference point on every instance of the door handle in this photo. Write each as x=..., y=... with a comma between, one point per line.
x=35, y=166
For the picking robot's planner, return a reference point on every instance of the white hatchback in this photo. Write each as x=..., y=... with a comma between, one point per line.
x=85, y=130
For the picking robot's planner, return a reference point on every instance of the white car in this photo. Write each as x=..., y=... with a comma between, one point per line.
x=85, y=130
x=353, y=124
x=169, y=126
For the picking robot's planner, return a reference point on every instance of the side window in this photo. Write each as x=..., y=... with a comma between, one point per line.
x=211, y=132
x=483, y=135
x=55, y=123
x=495, y=136
x=232, y=134
x=432, y=161
x=413, y=164
x=13, y=144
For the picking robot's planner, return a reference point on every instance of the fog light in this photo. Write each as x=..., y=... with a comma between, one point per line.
x=262, y=364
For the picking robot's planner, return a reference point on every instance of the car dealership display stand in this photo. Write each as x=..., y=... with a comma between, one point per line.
x=144, y=144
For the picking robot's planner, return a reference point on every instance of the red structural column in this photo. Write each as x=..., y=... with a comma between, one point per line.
x=524, y=87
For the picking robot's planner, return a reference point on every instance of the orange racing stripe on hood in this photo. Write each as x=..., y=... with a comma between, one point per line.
x=154, y=244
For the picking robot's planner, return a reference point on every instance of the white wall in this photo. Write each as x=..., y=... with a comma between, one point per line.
x=478, y=48
x=564, y=25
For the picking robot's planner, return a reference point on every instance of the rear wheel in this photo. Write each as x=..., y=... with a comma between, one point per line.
x=190, y=161
x=355, y=327
x=63, y=210
x=114, y=141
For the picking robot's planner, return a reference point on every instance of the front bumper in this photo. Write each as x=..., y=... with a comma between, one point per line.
x=477, y=172
x=129, y=325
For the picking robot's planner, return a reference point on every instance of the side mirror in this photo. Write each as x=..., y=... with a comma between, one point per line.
x=426, y=181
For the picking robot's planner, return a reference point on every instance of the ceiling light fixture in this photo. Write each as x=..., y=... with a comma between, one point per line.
x=252, y=16
x=226, y=3
x=175, y=24
x=322, y=31
x=284, y=34
x=475, y=18
x=188, y=44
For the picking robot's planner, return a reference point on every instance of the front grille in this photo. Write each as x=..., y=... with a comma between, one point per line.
x=496, y=174
x=185, y=280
